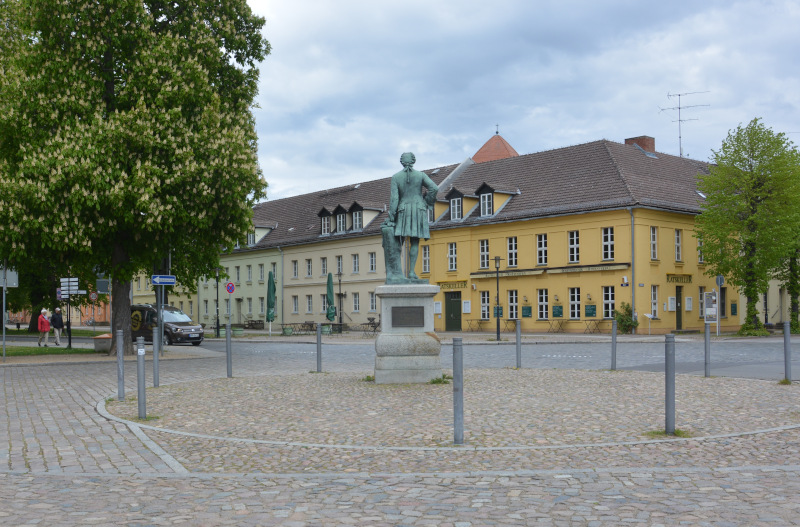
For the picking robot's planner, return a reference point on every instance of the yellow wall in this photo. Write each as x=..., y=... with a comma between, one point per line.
x=591, y=273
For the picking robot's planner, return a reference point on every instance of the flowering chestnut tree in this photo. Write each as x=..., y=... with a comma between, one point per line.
x=126, y=133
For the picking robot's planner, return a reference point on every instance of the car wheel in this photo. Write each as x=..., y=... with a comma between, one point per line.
x=169, y=340
x=195, y=343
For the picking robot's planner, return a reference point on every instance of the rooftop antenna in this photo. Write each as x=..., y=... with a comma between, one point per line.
x=679, y=108
x=497, y=132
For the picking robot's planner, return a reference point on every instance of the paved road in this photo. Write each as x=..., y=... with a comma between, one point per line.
x=63, y=461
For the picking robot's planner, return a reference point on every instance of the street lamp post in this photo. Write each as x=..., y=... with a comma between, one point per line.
x=497, y=298
x=217, y=306
x=339, y=276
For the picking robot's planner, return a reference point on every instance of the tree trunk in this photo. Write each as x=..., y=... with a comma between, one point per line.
x=120, y=305
x=793, y=290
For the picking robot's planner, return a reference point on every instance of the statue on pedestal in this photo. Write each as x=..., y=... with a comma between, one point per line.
x=408, y=217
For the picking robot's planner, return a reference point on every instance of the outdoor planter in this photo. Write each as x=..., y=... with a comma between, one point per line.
x=102, y=343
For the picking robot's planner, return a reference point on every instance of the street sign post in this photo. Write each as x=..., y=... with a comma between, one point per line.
x=711, y=314
x=163, y=279
x=69, y=286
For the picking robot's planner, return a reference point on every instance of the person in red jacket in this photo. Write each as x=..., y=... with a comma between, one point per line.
x=44, y=328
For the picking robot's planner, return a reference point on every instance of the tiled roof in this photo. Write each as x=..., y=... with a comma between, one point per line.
x=592, y=176
x=494, y=149
x=296, y=219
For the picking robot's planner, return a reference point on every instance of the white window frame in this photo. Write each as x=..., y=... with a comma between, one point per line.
x=295, y=304
x=249, y=305
x=326, y=224
x=309, y=267
x=486, y=306
x=608, y=243
x=543, y=302
x=487, y=208
x=339, y=265
x=295, y=268
x=356, y=264
x=455, y=209
x=700, y=257
x=238, y=274
x=324, y=303
x=341, y=222
x=609, y=301
x=228, y=306
x=574, y=246
x=356, y=302
x=426, y=258
x=373, y=262
x=358, y=220
x=323, y=264
x=513, y=304
x=309, y=303
x=702, y=304
x=452, y=257
x=511, y=243
x=274, y=266
x=373, y=301
x=251, y=239
x=483, y=254
x=249, y=273
x=678, y=245
x=205, y=307
x=431, y=215
x=654, y=243
x=654, y=301
x=261, y=272
x=574, y=303
x=261, y=304
x=541, y=249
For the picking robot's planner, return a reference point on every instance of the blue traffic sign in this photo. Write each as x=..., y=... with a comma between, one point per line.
x=230, y=287
x=163, y=279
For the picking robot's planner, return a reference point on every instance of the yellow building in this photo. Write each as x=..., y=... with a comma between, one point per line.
x=567, y=236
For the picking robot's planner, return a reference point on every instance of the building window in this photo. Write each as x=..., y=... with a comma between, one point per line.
x=654, y=243
x=341, y=222
x=309, y=267
x=228, y=306
x=431, y=217
x=323, y=263
x=452, y=264
x=295, y=304
x=358, y=222
x=426, y=258
x=139, y=283
x=326, y=225
x=205, y=307
x=251, y=239
x=324, y=303
x=249, y=306
x=261, y=272
x=723, y=302
x=512, y=304
x=700, y=259
x=373, y=262
x=608, y=302
x=261, y=305
x=274, y=270
x=373, y=301
x=486, y=205
x=512, y=251
x=180, y=305
x=574, y=246
x=294, y=268
x=483, y=254
x=678, y=245
x=339, y=265
x=608, y=243
x=356, y=302
x=654, y=301
x=575, y=302
x=485, y=305
x=455, y=209
x=249, y=273
x=541, y=249
x=544, y=304
x=356, y=264
x=309, y=304
x=238, y=275
x=702, y=303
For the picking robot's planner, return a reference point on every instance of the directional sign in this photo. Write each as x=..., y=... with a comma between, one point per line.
x=230, y=288
x=163, y=279
x=58, y=293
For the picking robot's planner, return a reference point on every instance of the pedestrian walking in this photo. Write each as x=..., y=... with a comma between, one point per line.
x=44, y=328
x=57, y=322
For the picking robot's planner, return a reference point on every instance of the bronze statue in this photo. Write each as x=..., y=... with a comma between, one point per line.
x=408, y=217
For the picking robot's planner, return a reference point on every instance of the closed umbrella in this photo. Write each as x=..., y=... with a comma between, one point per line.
x=270, y=301
x=331, y=313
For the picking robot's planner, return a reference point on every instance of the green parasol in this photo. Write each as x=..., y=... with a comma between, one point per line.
x=331, y=313
x=270, y=301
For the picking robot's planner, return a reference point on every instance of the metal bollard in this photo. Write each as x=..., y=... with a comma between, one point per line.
x=519, y=344
x=156, y=348
x=708, y=350
x=120, y=367
x=458, y=392
x=140, y=378
x=613, y=345
x=319, y=348
x=787, y=350
x=669, y=389
x=228, y=354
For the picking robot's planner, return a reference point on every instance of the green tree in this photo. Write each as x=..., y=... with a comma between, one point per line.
x=750, y=219
x=126, y=134
x=789, y=275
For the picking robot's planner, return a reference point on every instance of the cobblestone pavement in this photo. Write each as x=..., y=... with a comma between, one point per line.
x=278, y=445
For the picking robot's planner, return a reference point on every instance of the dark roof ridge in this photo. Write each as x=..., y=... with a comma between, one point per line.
x=620, y=172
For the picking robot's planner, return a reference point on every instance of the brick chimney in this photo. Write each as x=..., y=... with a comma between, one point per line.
x=645, y=142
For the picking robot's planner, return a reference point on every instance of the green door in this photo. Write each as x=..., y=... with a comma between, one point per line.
x=452, y=311
x=678, y=308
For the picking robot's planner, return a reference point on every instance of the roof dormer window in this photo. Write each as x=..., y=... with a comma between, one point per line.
x=487, y=208
x=326, y=225
x=341, y=222
x=455, y=208
x=358, y=220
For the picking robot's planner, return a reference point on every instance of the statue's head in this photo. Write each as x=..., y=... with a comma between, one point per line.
x=408, y=159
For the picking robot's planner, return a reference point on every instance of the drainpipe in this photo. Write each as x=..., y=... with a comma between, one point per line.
x=633, y=269
x=283, y=320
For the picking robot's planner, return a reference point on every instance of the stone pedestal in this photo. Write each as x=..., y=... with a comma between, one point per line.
x=407, y=349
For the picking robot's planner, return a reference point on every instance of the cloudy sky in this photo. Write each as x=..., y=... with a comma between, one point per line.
x=351, y=84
